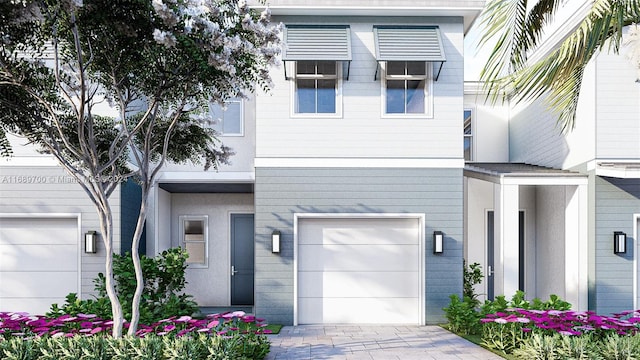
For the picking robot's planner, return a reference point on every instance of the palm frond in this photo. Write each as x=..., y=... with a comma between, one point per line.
x=559, y=74
x=502, y=19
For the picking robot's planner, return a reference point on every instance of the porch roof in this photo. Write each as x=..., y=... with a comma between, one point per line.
x=207, y=187
x=522, y=174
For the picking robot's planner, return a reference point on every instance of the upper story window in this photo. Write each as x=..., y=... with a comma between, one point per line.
x=407, y=53
x=316, y=87
x=406, y=87
x=230, y=118
x=317, y=53
x=468, y=135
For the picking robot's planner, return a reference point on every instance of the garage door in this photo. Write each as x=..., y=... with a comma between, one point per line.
x=359, y=270
x=38, y=262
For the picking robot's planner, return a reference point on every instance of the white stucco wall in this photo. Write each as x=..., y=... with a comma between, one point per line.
x=478, y=201
x=490, y=129
x=550, y=244
x=527, y=203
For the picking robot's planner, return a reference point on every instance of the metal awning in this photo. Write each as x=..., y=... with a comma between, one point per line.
x=409, y=43
x=317, y=42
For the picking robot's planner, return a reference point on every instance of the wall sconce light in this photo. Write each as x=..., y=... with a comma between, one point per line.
x=619, y=242
x=90, y=242
x=275, y=241
x=437, y=242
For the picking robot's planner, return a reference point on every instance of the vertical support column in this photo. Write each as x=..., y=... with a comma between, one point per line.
x=506, y=227
x=576, y=249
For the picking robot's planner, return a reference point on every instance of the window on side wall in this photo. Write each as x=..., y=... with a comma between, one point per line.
x=194, y=239
x=316, y=87
x=468, y=135
x=229, y=118
x=406, y=88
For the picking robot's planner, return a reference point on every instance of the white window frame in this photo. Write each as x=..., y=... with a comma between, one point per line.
x=294, y=91
x=471, y=136
x=428, y=91
x=221, y=127
x=205, y=229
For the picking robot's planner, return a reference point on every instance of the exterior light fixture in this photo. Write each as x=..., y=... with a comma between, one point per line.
x=619, y=242
x=438, y=238
x=90, y=242
x=275, y=241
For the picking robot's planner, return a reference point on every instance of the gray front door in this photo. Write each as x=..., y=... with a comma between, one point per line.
x=242, y=259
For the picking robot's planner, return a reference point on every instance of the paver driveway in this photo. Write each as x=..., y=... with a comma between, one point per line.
x=377, y=342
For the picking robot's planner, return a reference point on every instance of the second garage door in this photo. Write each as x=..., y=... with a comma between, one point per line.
x=38, y=262
x=359, y=270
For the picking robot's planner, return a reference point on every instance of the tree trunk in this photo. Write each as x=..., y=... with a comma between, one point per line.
x=106, y=226
x=135, y=242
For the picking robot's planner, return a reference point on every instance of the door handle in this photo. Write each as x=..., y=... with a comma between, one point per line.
x=233, y=270
x=489, y=270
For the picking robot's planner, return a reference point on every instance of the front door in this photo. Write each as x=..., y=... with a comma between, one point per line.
x=242, y=259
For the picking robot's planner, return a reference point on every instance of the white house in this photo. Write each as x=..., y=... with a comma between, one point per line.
x=362, y=181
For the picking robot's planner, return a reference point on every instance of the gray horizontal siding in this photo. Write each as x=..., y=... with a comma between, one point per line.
x=280, y=193
x=617, y=200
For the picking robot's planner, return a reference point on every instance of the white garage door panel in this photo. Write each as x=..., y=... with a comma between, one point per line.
x=39, y=257
x=34, y=306
x=358, y=231
x=359, y=270
x=358, y=311
x=35, y=284
x=359, y=257
x=38, y=231
x=359, y=284
x=38, y=262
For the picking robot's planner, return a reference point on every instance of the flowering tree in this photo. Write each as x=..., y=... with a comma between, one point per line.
x=159, y=64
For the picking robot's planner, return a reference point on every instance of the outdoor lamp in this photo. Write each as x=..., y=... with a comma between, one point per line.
x=90, y=242
x=619, y=242
x=437, y=242
x=275, y=241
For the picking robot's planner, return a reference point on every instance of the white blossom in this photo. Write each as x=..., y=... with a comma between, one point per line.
x=165, y=38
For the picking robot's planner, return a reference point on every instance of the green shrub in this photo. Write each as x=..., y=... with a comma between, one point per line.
x=472, y=275
x=162, y=297
x=462, y=316
x=519, y=301
x=234, y=347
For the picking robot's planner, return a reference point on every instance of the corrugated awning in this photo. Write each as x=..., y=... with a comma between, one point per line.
x=307, y=42
x=409, y=43
x=317, y=42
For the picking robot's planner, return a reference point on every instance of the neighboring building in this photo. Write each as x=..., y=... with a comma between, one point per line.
x=563, y=196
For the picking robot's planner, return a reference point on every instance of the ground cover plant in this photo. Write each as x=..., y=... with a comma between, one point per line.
x=536, y=329
x=232, y=335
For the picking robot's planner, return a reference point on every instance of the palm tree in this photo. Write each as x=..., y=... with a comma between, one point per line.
x=519, y=32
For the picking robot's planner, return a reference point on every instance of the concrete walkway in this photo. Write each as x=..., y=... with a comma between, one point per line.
x=376, y=342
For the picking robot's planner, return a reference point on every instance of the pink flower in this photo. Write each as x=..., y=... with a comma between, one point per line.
x=213, y=323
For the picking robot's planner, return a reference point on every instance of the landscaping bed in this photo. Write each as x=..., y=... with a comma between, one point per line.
x=233, y=335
